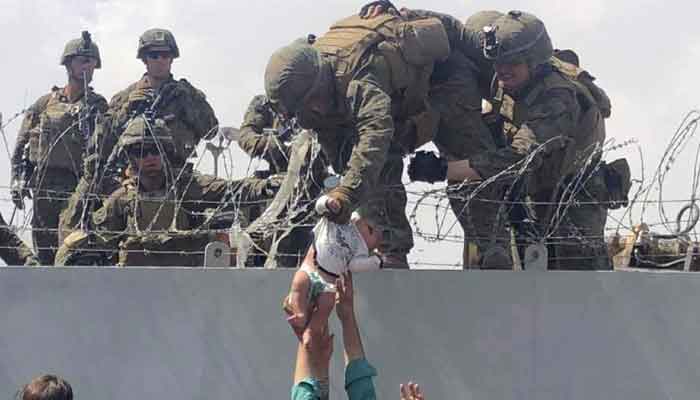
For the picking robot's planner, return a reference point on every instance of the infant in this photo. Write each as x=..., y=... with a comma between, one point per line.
x=336, y=249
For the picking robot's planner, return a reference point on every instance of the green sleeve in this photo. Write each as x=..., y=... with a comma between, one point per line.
x=358, y=380
x=199, y=114
x=555, y=115
x=369, y=100
x=257, y=117
x=30, y=121
x=110, y=221
x=307, y=389
x=12, y=249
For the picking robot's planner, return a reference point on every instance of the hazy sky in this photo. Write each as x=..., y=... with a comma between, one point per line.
x=646, y=54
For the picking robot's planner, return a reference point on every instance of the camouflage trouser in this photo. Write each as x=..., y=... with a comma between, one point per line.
x=386, y=208
x=461, y=134
x=51, y=189
x=486, y=234
x=578, y=242
x=12, y=249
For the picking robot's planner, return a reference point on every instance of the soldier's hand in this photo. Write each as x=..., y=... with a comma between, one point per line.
x=425, y=166
x=19, y=193
x=340, y=204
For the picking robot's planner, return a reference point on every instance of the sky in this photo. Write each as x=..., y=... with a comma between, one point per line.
x=645, y=54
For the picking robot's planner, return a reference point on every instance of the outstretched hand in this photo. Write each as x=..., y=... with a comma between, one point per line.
x=344, y=299
x=411, y=391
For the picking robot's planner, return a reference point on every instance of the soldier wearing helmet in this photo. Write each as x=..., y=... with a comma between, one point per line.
x=155, y=217
x=51, y=143
x=157, y=95
x=534, y=103
x=455, y=125
x=353, y=86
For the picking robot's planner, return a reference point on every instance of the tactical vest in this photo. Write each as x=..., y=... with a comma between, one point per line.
x=589, y=131
x=582, y=76
x=154, y=211
x=57, y=141
x=410, y=48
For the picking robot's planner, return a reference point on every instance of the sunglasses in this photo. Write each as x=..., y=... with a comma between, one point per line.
x=154, y=55
x=142, y=151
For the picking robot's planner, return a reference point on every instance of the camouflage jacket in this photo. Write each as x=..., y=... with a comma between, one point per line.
x=184, y=108
x=131, y=211
x=51, y=130
x=551, y=107
x=12, y=249
x=257, y=142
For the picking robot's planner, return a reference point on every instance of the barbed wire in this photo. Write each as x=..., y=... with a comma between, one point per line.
x=571, y=193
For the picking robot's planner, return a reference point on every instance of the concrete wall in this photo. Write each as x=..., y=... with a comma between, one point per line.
x=219, y=334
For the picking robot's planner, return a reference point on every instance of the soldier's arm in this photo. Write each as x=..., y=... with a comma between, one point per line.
x=208, y=191
x=370, y=104
x=30, y=121
x=12, y=249
x=199, y=114
x=110, y=221
x=257, y=117
x=554, y=116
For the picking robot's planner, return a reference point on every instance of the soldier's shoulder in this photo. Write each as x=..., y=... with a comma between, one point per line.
x=186, y=85
x=98, y=100
x=122, y=95
x=258, y=101
x=40, y=104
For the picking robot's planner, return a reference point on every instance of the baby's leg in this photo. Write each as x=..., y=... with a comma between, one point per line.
x=296, y=304
x=319, y=318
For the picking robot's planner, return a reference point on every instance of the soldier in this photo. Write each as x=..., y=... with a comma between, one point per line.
x=536, y=103
x=184, y=109
x=350, y=86
x=12, y=249
x=50, y=144
x=155, y=217
x=455, y=125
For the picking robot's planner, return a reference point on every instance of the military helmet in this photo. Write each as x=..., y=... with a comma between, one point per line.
x=141, y=131
x=517, y=37
x=290, y=75
x=157, y=40
x=477, y=22
x=83, y=46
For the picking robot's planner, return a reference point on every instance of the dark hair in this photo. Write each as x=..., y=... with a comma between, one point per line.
x=46, y=387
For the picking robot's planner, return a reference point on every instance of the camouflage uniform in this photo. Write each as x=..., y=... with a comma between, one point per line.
x=52, y=140
x=185, y=109
x=163, y=227
x=457, y=88
x=12, y=249
x=551, y=105
x=368, y=84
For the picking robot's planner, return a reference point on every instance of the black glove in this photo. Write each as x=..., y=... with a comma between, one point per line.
x=425, y=166
x=387, y=5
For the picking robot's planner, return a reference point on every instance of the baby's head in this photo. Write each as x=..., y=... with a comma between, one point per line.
x=369, y=231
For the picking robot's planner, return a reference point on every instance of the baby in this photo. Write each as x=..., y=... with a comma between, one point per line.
x=336, y=249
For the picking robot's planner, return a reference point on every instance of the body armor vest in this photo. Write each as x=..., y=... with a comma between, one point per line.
x=410, y=49
x=57, y=141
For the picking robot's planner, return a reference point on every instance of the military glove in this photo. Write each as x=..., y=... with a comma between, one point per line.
x=425, y=166
x=19, y=193
x=342, y=196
